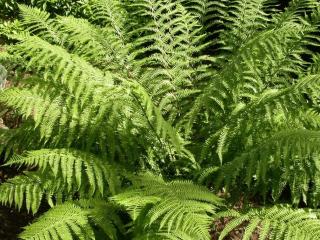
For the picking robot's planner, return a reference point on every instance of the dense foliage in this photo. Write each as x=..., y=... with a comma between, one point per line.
x=10, y=8
x=156, y=119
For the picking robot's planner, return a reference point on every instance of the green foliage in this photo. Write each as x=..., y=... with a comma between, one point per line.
x=75, y=220
x=28, y=188
x=277, y=222
x=76, y=169
x=225, y=93
x=9, y=8
x=167, y=209
x=60, y=222
x=290, y=158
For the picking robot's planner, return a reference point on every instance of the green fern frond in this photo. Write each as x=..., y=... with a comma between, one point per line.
x=39, y=23
x=78, y=170
x=112, y=13
x=174, y=206
x=166, y=53
x=105, y=215
x=30, y=189
x=76, y=220
x=68, y=221
x=69, y=70
x=158, y=124
x=82, y=38
x=45, y=111
x=289, y=159
x=277, y=222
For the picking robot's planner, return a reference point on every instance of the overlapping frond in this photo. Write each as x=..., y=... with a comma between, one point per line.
x=165, y=54
x=290, y=158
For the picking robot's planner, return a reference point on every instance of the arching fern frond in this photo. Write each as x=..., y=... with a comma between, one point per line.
x=69, y=70
x=78, y=170
x=173, y=206
x=68, y=221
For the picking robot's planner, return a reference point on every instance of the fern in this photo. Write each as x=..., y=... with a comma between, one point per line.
x=65, y=221
x=277, y=222
x=75, y=168
x=289, y=159
x=224, y=93
x=29, y=188
x=174, y=207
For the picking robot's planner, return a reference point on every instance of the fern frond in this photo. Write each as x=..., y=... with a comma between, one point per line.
x=175, y=206
x=76, y=220
x=45, y=111
x=165, y=55
x=111, y=13
x=65, y=221
x=105, y=215
x=69, y=70
x=289, y=159
x=39, y=23
x=29, y=189
x=78, y=170
x=277, y=222
x=82, y=38
x=159, y=125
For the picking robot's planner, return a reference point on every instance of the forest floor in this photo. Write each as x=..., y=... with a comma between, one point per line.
x=12, y=222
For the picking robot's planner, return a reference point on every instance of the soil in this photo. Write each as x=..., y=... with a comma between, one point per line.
x=12, y=222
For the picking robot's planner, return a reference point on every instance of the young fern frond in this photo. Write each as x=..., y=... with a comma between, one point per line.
x=277, y=222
